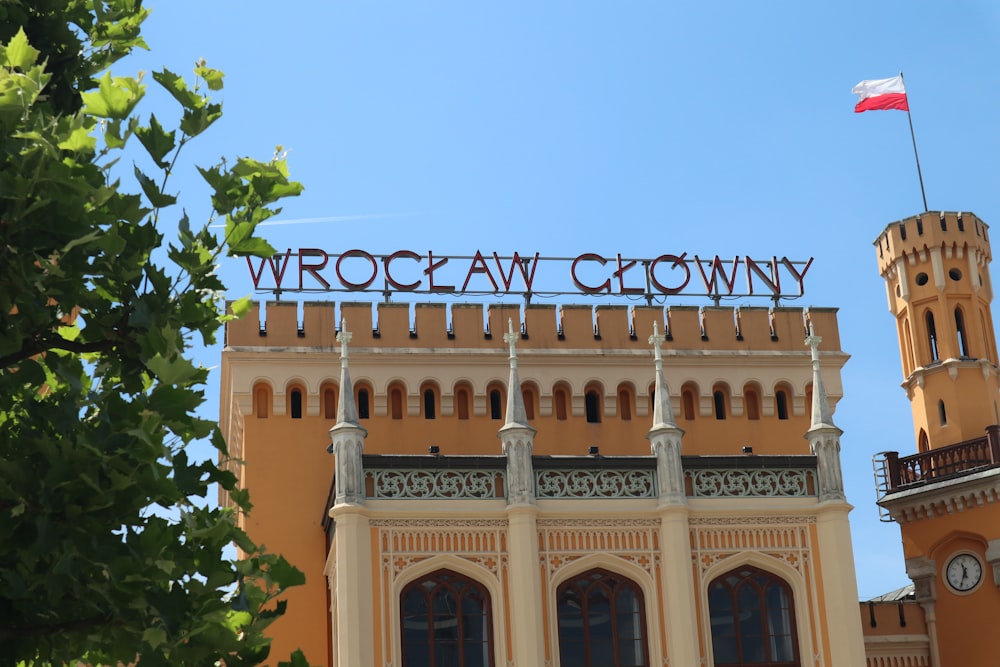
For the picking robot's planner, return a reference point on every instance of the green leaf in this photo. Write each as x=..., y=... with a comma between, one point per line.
x=154, y=636
x=156, y=197
x=115, y=97
x=284, y=574
x=212, y=77
x=157, y=141
x=19, y=53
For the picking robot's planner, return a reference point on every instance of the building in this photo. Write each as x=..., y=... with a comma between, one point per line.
x=945, y=496
x=532, y=485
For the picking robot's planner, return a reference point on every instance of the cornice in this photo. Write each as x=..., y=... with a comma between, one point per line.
x=945, y=497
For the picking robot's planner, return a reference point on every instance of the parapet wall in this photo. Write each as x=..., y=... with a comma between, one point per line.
x=438, y=325
x=932, y=229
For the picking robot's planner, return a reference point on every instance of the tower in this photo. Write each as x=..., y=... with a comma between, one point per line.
x=945, y=496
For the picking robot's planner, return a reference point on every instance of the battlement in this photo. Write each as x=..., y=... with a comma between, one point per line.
x=911, y=236
x=602, y=327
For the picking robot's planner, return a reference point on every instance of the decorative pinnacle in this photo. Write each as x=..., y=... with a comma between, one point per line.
x=511, y=339
x=821, y=415
x=344, y=337
x=656, y=340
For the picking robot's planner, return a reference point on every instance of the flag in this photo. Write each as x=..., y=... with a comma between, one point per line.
x=878, y=94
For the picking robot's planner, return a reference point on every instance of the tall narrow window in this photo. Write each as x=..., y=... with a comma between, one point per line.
x=719, y=399
x=932, y=336
x=624, y=404
x=528, y=396
x=753, y=620
x=462, y=402
x=781, y=403
x=602, y=621
x=446, y=620
x=363, y=403
x=429, y=408
x=295, y=403
x=592, y=403
x=922, y=443
x=496, y=404
x=751, y=403
x=396, y=403
x=942, y=414
x=963, y=341
x=560, y=399
x=261, y=400
x=329, y=402
x=688, y=403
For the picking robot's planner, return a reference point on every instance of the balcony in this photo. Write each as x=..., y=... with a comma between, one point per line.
x=896, y=473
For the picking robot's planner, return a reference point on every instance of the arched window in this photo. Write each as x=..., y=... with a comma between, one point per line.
x=463, y=398
x=294, y=408
x=942, y=414
x=529, y=396
x=751, y=403
x=931, y=335
x=963, y=340
x=922, y=443
x=753, y=620
x=261, y=400
x=446, y=619
x=689, y=402
x=624, y=403
x=602, y=621
x=396, y=402
x=560, y=402
x=908, y=342
x=329, y=394
x=592, y=403
x=429, y=397
x=781, y=403
x=364, y=403
x=720, y=400
x=496, y=404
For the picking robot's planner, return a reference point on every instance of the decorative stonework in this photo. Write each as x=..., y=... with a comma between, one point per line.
x=433, y=483
x=405, y=543
x=763, y=483
x=783, y=538
x=633, y=540
x=599, y=483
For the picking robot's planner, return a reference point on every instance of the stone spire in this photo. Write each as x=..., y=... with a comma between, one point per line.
x=823, y=434
x=665, y=436
x=347, y=435
x=517, y=435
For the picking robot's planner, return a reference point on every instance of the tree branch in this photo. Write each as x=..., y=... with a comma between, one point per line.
x=32, y=347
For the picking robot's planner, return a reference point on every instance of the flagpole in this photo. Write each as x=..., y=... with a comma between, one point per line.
x=914, y=138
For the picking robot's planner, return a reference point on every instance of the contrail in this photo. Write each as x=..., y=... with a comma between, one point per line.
x=329, y=218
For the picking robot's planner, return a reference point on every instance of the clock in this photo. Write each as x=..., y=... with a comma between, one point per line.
x=964, y=572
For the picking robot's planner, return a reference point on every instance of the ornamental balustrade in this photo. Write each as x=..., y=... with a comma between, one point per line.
x=484, y=477
x=939, y=463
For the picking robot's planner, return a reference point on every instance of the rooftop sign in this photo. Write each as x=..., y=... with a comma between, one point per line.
x=406, y=271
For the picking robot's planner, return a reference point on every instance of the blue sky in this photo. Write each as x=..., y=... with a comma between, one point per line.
x=641, y=127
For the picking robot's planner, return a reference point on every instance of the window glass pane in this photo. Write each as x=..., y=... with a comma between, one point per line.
x=601, y=622
x=445, y=623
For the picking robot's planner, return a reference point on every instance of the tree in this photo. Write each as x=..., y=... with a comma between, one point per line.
x=108, y=550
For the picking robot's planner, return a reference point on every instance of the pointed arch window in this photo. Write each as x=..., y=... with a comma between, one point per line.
x=963, y=339
x=923, y=444
x=446, y=619
x=753, y=620
x=942, y=414
x=931, y=335
x=602, y=621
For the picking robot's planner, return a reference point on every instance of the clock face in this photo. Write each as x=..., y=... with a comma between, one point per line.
x=964, y=572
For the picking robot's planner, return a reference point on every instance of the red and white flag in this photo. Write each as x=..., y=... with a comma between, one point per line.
x=880, y=94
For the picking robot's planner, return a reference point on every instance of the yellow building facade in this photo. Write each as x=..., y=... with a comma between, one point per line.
x=532, y=485
x=521, y=485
